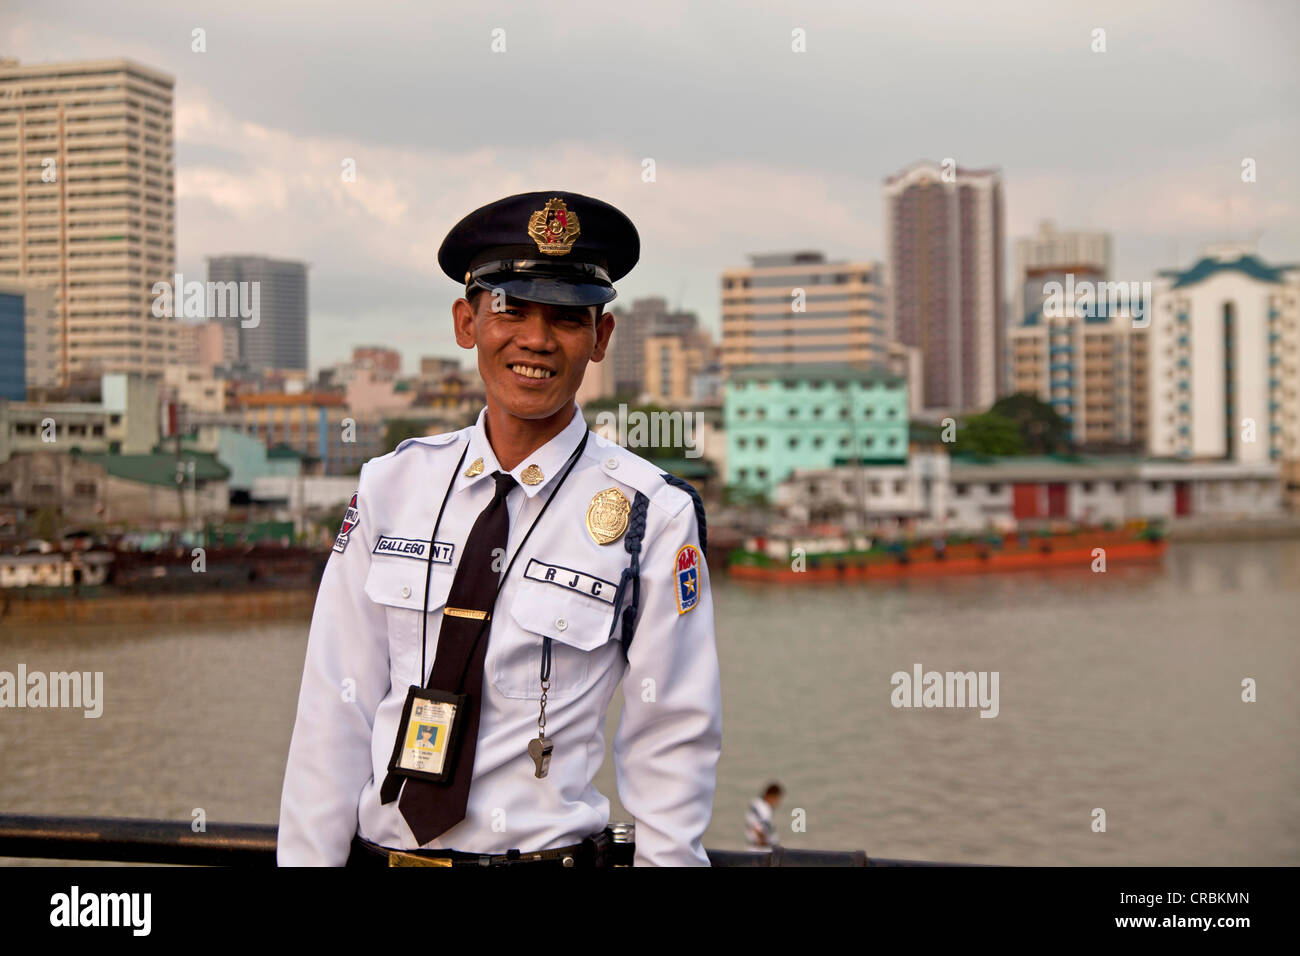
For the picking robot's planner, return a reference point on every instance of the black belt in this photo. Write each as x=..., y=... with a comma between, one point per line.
x=594, y=851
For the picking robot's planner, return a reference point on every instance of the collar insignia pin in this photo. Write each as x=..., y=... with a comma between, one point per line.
x=607, y=516
x=532, y=475
x=475, y=469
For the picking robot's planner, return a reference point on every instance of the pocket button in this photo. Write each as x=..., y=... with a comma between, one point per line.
x=561, y=624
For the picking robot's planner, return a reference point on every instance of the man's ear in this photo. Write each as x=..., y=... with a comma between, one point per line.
x=604, y=329
x=462, y=320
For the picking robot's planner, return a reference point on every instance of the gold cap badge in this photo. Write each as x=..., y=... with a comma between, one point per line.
x=554, y=228
x=474, y=470
x=532, y=475
x=607, y=516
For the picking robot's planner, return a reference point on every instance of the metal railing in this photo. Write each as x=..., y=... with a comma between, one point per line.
x=129, y=840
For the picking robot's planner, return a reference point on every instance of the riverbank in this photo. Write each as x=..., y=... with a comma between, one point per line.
x=171, y=606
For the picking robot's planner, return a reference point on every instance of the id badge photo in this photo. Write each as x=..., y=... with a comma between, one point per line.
x=428, y=735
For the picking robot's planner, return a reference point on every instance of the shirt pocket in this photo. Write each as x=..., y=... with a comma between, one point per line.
x=398, y=585
x=578, y=627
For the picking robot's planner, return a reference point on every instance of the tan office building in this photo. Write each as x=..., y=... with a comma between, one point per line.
x=1093, y=372
x=797, y=308
x=672, y=363
x=87, y=206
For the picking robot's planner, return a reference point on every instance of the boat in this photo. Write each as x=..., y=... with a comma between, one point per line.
x=793, y=561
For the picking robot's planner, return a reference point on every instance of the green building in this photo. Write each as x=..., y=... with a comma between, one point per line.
x=782, y=417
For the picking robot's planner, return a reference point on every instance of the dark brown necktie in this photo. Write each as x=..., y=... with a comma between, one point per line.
x=433, y=808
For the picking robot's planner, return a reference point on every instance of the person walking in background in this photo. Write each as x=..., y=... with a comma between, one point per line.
x=760, y=832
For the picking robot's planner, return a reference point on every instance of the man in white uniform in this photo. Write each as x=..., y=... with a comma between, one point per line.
x=497, y=583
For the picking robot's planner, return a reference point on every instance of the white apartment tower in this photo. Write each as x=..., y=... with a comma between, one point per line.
x=87, y=206
x=1225, y=359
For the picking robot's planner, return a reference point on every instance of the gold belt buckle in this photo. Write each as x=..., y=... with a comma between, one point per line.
x=398, y=858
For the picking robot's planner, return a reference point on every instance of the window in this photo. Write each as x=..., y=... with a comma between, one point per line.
x=760, y=441
x=959, y=490
x=84, y=489
x=900, y=486
x=994, y=487
x=42, y=490
x=742, y=442
x=817, y=441
x=794, y=442
x=1086, y=487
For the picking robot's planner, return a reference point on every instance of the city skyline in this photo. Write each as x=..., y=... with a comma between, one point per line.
x=259, y=148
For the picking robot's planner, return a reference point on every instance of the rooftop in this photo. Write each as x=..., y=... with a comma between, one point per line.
x=159, y=468
x=812, y=371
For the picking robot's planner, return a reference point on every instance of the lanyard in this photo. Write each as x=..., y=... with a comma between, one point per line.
x=428, y=569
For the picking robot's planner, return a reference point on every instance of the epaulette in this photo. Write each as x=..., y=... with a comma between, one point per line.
x=634, y=471
x=432, y=441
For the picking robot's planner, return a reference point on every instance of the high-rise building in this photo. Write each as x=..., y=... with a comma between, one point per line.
x=672, y=363
x=944, y=229
x=1085, y=354
x=1050, y=256
x=797, y=308
x=1224, y=369
x=87, y=206
x=276, y=338
x=645, y=317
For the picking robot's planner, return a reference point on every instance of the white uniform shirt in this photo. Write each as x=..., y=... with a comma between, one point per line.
x=363, y=653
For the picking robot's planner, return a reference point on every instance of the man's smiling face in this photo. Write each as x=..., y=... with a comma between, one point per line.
x=532, y=357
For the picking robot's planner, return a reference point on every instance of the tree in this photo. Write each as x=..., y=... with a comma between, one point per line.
x=1042, y=430
x=988, y=434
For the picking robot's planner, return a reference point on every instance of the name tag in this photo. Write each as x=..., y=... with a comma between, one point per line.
x=414, y=548
x=563, y=577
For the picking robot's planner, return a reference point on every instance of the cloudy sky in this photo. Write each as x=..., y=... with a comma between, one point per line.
x=757, y=148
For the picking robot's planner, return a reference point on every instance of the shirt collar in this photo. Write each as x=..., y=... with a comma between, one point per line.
x=550, y=458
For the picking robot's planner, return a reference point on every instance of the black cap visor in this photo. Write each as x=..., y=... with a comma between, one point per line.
x=547, y=290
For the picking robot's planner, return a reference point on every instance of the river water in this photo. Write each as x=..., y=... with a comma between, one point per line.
x=1119, y=691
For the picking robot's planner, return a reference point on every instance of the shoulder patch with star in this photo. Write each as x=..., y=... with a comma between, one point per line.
x=687, y=569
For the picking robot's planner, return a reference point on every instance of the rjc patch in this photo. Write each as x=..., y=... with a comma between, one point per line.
x=688, y=578
x=351, y=518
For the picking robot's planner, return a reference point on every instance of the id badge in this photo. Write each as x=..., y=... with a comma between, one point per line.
x=428, y=735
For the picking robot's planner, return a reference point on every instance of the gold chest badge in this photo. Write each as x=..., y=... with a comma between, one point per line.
x=607, y=516
x=554, y=228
